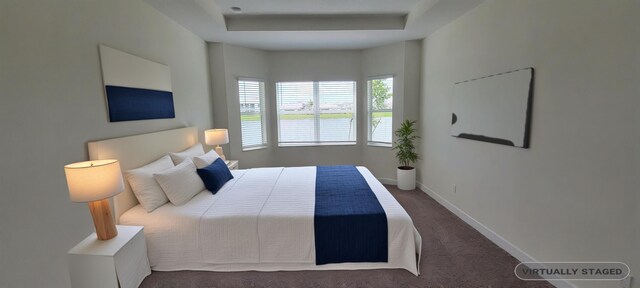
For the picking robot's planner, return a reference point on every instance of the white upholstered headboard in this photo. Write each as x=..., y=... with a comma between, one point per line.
x=138, y=150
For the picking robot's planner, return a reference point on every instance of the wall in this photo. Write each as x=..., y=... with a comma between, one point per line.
x=53, y=103
x=412, y=78
x=227, y=63
x=637, y=113
x=402, y=60
x=637, y=120
x=573, y=195
x=314, y=66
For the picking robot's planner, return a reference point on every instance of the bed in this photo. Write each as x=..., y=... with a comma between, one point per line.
x=263, y=219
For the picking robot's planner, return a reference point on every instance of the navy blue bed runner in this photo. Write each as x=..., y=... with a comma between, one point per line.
x=350, y=224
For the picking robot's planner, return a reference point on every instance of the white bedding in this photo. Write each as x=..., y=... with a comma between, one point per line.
x=260, y=220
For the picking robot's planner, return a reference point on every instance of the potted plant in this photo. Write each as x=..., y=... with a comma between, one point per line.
x=406, y=154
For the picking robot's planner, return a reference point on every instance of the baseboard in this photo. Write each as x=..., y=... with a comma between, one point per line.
x=490, y=234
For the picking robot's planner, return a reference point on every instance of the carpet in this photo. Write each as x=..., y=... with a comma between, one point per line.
x=453, y=255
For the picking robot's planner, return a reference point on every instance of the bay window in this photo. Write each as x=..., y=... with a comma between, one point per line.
x=316, y=113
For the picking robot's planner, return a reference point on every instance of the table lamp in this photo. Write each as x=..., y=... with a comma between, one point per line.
x=95, y=182
x=217, y=137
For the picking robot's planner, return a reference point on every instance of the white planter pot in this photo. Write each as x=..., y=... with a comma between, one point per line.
x=407, y=179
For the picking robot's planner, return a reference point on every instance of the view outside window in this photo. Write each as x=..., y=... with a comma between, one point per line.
x=316, y=113
x=380, y=97
x=252, y=113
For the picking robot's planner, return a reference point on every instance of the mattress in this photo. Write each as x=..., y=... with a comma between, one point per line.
x=261, y=220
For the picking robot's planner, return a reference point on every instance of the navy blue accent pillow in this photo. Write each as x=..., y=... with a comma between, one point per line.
x=215, y=175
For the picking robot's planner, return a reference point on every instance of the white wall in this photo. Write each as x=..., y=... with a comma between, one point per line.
x=227, y=64
x=53, y=103
x=412, y=78
x=402, y=60
x=573, y=196
x=314, y=66
x=637, y=120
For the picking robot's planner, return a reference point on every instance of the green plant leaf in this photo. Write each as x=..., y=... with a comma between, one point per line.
x=405, y=143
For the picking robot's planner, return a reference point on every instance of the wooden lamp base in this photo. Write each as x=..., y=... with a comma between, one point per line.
x=220, y=153
x=102, y=219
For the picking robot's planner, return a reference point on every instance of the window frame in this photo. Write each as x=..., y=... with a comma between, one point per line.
x=370, y=110
x=316, y=116
x=263, y=114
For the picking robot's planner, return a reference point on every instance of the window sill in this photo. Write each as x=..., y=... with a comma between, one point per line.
x=316, y=144
x=379, y=144
x=254, y=148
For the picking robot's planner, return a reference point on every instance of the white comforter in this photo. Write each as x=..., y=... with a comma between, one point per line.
x=260, y=220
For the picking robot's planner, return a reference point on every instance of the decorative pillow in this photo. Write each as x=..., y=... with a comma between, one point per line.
x=145, y=187
x=206, y=159
x=180, y=183
x=215, y=175
x=193, y=151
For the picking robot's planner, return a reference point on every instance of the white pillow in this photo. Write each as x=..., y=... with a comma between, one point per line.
x=193, y=151
x=180, y=183
x=206, y=159
x=145, y=187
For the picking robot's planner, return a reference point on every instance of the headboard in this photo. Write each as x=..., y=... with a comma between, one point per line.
x=138, y=150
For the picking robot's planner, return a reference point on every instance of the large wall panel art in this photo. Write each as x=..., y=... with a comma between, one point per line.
x=136, y=88
x=496, y=108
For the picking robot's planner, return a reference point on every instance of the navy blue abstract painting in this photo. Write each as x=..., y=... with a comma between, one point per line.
x=128, y=104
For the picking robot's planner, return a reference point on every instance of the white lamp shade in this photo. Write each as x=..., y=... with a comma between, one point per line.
x=216, y=136
x=93, y=180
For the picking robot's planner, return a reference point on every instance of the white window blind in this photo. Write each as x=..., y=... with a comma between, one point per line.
x=316, y=113
x=380, y=114
x=252, y=113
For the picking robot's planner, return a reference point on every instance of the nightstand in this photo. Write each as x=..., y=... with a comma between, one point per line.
x=118, y=262
x=232, y=164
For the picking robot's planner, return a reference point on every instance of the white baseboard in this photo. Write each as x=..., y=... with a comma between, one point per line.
x=490, y=234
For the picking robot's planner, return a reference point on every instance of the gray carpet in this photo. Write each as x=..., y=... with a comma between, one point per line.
x=453, y=255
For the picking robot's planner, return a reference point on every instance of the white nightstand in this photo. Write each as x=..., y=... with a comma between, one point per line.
x=118, y=262
x=232, y=164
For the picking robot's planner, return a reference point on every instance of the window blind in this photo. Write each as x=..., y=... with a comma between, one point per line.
x=252, y=113
x=316, y=113
x=380, y=115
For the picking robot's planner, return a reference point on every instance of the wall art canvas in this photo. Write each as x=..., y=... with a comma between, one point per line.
x=496, y=108
x=136, y=88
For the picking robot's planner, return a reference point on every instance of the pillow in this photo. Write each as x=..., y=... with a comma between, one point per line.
x=145, y=187
x=193, y=151
x=180, y=183
x=215, y=175
x=206, y=159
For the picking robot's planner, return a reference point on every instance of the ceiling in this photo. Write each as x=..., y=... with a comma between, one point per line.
x=313, y=24
x=317, y=6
